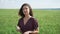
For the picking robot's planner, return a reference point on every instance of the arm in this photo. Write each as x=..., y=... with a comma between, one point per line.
x=18, y=26
x=36, y=31
x=18, y=29
x=35, y=27
x=33, y=32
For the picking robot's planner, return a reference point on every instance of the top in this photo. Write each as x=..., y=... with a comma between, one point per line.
x=31, y=25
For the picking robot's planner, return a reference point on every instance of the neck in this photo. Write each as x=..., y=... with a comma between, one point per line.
x=27, y=16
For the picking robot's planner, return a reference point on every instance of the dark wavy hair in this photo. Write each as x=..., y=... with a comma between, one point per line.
x=21, y=10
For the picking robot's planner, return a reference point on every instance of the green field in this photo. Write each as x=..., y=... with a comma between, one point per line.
x=49, y=21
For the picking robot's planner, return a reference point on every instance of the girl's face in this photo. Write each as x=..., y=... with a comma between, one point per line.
x=26, y=10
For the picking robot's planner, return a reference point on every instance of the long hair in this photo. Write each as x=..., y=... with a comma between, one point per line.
x=21, y=10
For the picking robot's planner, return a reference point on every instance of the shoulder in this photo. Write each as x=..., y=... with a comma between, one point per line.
x=33, y=19
x=20, y=19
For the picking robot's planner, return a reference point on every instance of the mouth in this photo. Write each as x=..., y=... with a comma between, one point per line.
x=25, y=13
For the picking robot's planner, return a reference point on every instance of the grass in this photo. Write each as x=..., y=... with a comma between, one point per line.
x=49, y=21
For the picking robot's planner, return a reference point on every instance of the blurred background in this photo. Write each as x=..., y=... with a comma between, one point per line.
x=47, y=12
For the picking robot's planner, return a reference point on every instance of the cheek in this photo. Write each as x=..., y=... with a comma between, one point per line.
x=26, y=11
x=23, y=12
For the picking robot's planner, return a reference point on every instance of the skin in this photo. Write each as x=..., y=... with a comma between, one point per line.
x=26, y=18
x=26, y=13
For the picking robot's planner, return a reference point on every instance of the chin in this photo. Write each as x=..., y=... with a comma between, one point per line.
x=25, y=14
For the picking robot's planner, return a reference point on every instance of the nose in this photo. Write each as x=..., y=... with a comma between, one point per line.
x=25, y=10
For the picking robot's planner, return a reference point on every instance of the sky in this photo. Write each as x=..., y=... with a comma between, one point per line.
x=35, y=4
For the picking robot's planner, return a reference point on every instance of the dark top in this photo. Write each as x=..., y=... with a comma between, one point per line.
x=31, y=25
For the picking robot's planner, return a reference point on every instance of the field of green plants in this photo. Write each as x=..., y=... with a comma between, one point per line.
x=49, y=21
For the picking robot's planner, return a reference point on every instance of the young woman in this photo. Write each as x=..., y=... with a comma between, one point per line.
x=27, y=24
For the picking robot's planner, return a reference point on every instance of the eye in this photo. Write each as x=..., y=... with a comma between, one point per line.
x=26, y=8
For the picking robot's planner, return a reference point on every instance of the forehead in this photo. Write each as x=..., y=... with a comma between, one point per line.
x=25, y=7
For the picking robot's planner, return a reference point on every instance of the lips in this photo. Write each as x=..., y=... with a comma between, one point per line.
x=25, y=12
